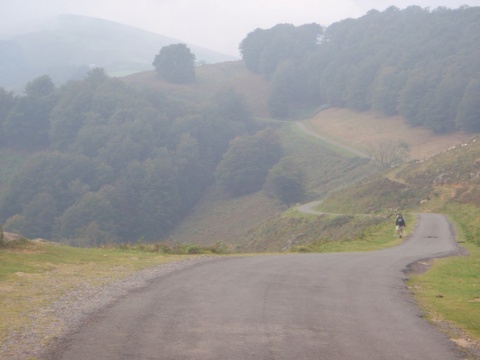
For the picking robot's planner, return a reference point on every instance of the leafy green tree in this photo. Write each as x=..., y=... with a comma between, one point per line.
x=360, y=87
x=92, y=208
x=229, y=105
x=96, y=76
x=246, y=163
x=40, y=87
x=68, y=116
x=280, y=90
x=263, y=50
x=194, y=173
x=7, y=101
x=411, y=98
x=441, y=103
x=386, y=91
x=468, y=116
x=175, y=63
x=58, y=175
x=147, y=199
x=39, y=216
x=286, y=181
x=27, y=123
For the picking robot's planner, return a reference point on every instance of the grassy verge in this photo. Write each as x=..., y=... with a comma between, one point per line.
x=372, y=238
x=34, y=275
x=450, y=292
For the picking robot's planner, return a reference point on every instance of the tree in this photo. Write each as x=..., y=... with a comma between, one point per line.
x=388, y=153
x=386, y=91
x=39, y=215
x=27, y=123
x=411, y=97
x=93, y=209
x=263, y=50
x=175, y=63
x=440, y=105
x=468, y=116
x=280, y=90
x=246, y=163
x=360, y=89
x=231, y=106
x=40, y=87
x=286, y=181
x=68, y=116
x=7, y=101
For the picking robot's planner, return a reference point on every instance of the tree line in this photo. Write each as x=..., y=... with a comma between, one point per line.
x=418, y=63
x=110, y=163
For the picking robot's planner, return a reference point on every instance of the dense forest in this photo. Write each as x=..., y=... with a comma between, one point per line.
x=107, y=162
x=418, y=63
x=111, y=163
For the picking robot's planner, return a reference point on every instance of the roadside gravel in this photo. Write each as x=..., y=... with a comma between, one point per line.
x=53, y=323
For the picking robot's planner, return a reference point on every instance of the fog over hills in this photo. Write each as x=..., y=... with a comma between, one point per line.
x=67, y=46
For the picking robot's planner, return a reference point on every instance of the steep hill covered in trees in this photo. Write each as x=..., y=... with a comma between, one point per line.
x=102, y=159
x=418, y=63
x=105, y=162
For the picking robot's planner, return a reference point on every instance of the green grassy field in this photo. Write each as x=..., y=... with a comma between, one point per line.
x=449, y=293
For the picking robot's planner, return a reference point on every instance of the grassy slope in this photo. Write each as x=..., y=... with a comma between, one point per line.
x=211, y=79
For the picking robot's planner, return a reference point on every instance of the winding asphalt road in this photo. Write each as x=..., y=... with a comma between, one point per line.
x=298, y=306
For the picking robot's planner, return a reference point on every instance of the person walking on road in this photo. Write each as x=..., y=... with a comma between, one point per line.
x=400, y=224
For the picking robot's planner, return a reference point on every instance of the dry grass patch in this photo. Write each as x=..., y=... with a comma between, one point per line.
x=39, y=274
x=355, y=129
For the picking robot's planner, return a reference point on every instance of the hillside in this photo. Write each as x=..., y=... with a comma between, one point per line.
x=257, y=223
x=245, y=222
x=140, y=173
x=444, y=181
x=67, y=46
x=99, y=162
x=210, y=80
x=355, y=129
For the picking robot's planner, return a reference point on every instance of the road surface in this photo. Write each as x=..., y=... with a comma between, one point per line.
x=343, y=306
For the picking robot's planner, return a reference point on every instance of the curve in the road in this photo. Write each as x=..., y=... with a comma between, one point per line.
x=296, y=306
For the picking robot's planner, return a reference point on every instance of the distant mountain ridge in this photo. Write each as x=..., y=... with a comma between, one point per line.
x=67, y=46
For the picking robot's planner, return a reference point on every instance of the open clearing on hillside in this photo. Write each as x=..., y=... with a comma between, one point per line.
x=362, y=130
x=210, y=79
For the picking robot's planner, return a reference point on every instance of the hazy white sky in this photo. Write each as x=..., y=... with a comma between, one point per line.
x=215, y=24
